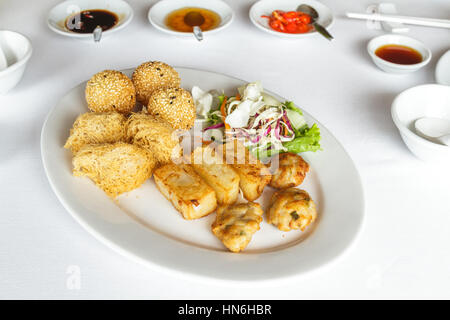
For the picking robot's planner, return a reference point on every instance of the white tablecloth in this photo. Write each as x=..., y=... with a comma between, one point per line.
x=403, y=251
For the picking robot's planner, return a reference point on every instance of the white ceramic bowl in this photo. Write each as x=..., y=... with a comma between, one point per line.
x=17, y=51
x=58, y=15
x=429, y=100
x=158, y=13
x=266, y=7
x=390, y=67
x=442, y=73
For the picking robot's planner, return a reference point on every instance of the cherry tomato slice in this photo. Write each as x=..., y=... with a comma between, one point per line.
x=304, y=18
x=275, y=24
x=290, y=16
x=292, y=28
x=289, y=22
x=303, y=28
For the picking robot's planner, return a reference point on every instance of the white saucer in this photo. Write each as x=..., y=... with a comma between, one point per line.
x=266, y=7
x=58, y=15
x=158, y=13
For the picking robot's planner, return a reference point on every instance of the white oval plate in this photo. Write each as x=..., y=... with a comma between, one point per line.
x=442, y=73
x=266, y=7
x=143, y=225
x=57, y=16
x=158, y=13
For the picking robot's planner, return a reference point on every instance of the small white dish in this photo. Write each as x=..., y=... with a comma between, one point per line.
x=390, y=67
x=56, y=20
x=266, y=7
x=158, y=13
x=442, y=73
x=16, y=49
x=429, y=100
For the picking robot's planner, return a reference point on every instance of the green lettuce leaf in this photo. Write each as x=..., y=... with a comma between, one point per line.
x=291, y=106
x=221, y=98
x=307, y=139
x=213, y=118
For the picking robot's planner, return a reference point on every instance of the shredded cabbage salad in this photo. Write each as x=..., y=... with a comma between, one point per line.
x=265, y=125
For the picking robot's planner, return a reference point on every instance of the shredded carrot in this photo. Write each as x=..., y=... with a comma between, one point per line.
x=285, y=128
x=222, y=110
x=222, y=107
x=238, y=97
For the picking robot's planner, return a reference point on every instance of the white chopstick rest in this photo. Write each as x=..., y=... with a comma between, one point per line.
x=394, y=27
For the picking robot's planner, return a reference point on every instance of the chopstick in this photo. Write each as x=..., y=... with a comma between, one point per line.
x=428, y=22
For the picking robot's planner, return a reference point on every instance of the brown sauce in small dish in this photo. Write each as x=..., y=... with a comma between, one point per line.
x=399, y=54
x=175, y=19
x=87, y=20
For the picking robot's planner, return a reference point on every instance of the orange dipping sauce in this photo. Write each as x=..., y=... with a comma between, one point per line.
x=175, y=19
x=399, y=54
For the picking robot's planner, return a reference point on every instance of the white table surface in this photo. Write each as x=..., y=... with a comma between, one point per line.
x=404, y=250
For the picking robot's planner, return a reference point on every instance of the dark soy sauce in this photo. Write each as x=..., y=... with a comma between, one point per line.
x=86, y=21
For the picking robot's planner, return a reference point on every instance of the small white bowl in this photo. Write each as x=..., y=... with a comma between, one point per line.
x=429, y=100
x=17, y=51
x=390, y=67
x=158, y=13
x=442, y=73
x=266, y=7
x=56, y=20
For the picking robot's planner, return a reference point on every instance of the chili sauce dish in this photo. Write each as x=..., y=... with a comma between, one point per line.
x=78, y=18
x=169, y=16
x=398, y=54
x=282, y=19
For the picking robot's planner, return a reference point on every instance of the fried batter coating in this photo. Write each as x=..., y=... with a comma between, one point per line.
x=95, y=128
x=236, y=224
x=253, y=174
x=189, y=194
x=291, y=171
x=291, y=209
x=155, y=135
x=115, y=168
x=220, y=176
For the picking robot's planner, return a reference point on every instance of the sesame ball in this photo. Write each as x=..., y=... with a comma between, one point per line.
x=174, y=105
x=151, y=76
x=110, y=90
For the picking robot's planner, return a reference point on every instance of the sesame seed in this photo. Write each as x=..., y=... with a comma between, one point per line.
x=151, y=76
x=173, y=105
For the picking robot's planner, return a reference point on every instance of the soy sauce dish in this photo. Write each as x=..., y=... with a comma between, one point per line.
x=78, y=18
x=398, y=54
